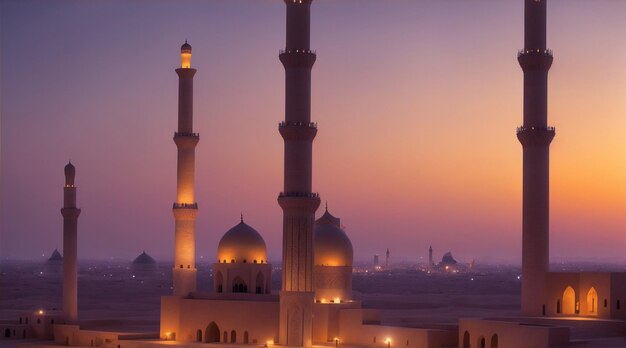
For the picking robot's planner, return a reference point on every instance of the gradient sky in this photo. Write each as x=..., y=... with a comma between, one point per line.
x=416, y=101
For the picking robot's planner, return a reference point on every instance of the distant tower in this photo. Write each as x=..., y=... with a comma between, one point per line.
x=297, y=200
x=430, y=257
x=375, y=260
x=535, y=136
x=70, y=246
x=185, y=208
x=387, y=259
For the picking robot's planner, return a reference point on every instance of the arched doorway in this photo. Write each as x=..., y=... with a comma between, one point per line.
x=494, y=341
x=225, y=337
x=233, y=336
x=212, y=333
x=219, y=282
x=245, y=337
x=569, y=301
x=7, y=333
x=199, y=336
x=260, y=283
x=592, y=301
x=239, y=285
x=482, y=343
x=466, y=340
x=558, y=306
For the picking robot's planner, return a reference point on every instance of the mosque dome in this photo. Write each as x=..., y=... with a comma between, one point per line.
x=185, y=48
x=242, y=243
x=143, y=259
x=448, y=259
x=332, y=245
x=55, y=257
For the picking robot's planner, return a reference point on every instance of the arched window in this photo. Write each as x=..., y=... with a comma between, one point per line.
x=558, y=306
x=260, y=283
x=26, y=320
x=592, y=301
x=233, y=336
x=225, y=340
x=38, y=320
x=466, y=340
x=239, y=285
x=494, y=341
x=569, y=301
x=606, y=303
x=245, y=337
x=219, y=282
x=482, y=343
x=212, y=333
x=199, y=335
x=21, y=318
x=7, y=333
x=618, y=304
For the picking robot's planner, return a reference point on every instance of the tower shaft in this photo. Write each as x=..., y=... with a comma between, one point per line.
x=185, y=208
x=297, y=200
x=535, y=137
x=70, y=250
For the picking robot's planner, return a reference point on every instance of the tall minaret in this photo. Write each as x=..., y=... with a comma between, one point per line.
x=70, y=246
x=185, y=207
x=535, y=136
x=387, y=259
x=430, y=258
x=297, y=200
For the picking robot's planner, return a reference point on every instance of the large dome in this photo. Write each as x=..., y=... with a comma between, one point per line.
x=332, y=245
x=242, y=243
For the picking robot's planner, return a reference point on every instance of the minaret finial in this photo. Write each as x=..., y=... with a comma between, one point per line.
x=327, y=206
x=242, y=216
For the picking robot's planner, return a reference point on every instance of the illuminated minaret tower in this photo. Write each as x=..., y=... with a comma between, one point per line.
x=70, y=246
x=185, y=207
x=297, y=200
x=535, y=136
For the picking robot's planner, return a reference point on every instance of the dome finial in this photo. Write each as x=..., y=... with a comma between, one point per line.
x=242, y=216
x=327, y=206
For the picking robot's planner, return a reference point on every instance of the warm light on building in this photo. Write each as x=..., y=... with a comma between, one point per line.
x=337, y=300
x=40, y=312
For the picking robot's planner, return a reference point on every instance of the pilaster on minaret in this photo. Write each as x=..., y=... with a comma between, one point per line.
x=185, y=208
x=535, y=137
x=297, y=200
x=70, y=246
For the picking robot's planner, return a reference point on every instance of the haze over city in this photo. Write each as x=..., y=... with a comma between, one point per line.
x=416, y=103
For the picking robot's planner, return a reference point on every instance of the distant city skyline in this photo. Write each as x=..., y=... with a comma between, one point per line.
x=416, y=104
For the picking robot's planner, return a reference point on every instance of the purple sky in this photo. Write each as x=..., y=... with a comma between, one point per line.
x=417, y=104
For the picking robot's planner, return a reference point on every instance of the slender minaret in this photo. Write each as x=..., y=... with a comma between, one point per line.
x=430, y=258
x=387, y=259
x=535, y=136
x=185, y=208
x=297, y=200
x=70, y=246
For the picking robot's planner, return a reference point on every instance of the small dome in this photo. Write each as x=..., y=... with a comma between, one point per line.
x=143, y=259
x=242, y=243
x=332, y=245
x=185, y=48
x=448, y=259
x=55, y=257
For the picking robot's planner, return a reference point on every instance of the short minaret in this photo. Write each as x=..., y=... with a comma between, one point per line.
x=535, y=136
x=297, y=200
x=387, y=258
x=185, y=208
x=70, y=246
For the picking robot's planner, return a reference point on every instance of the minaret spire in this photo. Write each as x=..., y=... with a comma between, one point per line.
x=297, y=200
x=185, y=208
x=70, y=245
x=535, y=137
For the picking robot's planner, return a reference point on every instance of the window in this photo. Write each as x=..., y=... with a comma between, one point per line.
x=618, y=304
x=606, y=303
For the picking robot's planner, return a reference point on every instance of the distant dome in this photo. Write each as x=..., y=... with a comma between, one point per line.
x=448, y=259
x=332, y=245
x=185, y=48
x=56, y=256
x=242, y=243
x=143, y=259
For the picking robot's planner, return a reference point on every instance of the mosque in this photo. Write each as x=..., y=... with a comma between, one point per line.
x=315, y=305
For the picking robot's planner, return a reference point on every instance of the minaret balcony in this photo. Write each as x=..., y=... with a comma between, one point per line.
x=298, y=124
x=547, y=52
x=538, y=129
x=184, y=134
x=535, y=136
x=297, y=58
x=185, y=206
x=300, y=51
x=298, y=130
x=299, y=195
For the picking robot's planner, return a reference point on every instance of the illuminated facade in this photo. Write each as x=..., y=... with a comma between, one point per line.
x=185, y=208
